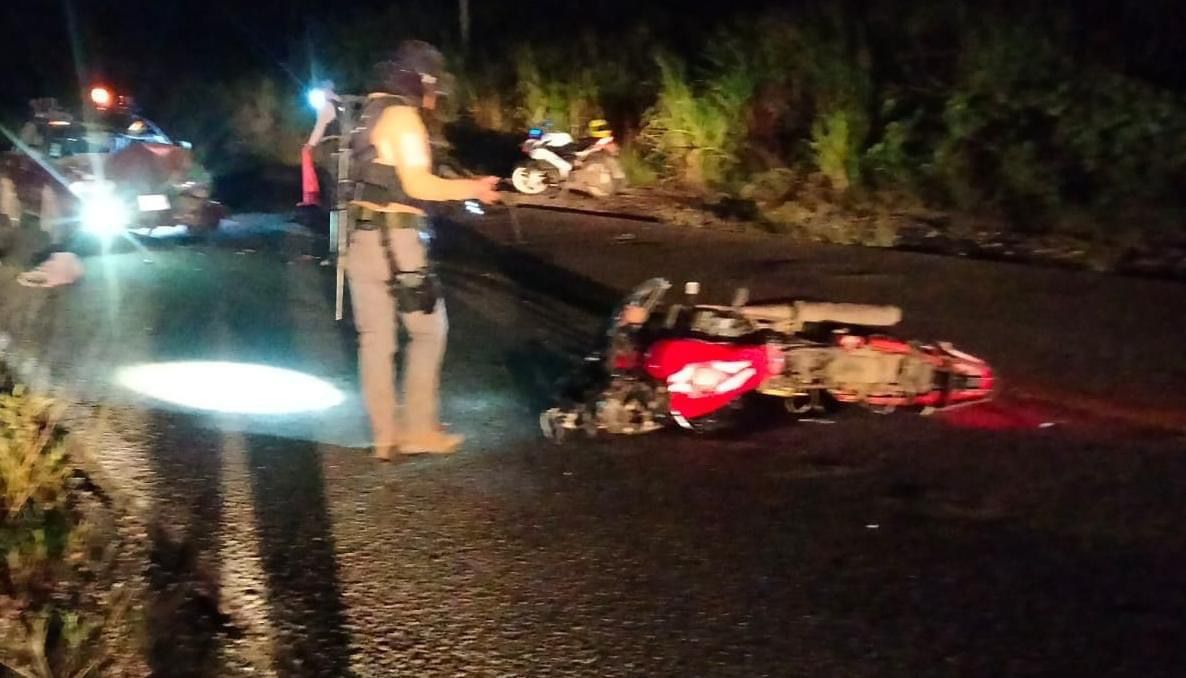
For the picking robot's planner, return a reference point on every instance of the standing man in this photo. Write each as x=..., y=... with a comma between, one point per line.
x=388, y=267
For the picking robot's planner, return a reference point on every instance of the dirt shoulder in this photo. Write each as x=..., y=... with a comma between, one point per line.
x=814, y=215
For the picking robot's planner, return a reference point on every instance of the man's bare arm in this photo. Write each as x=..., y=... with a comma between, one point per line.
x=401, y=140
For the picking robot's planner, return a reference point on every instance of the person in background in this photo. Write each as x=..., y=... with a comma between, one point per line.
x=326, y=113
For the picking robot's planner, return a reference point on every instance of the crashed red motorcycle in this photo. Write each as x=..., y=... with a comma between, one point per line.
x=695, y=365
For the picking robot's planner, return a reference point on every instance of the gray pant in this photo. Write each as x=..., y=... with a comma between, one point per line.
x=375, y=319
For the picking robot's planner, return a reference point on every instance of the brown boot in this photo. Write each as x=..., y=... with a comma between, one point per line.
x=436, y=442
x=385, y=452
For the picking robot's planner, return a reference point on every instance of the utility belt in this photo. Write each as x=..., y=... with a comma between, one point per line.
x=414, y=290
x=367, y=219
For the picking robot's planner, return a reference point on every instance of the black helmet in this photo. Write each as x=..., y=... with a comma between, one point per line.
x=414, y=70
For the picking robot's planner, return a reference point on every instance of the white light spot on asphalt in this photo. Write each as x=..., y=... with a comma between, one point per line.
x=238, y=388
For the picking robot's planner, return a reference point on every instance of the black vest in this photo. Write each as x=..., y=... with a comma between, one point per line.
x=374, y=182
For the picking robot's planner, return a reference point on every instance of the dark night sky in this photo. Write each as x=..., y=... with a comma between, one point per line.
x=146, y=45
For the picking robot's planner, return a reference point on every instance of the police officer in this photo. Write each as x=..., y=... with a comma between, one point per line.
x=387, y=267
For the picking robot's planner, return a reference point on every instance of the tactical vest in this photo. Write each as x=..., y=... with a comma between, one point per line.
x=374, y=182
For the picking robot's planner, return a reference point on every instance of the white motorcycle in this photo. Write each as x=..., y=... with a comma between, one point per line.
x=555, y=159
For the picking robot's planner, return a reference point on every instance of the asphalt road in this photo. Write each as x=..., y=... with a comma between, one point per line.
x=867, y=546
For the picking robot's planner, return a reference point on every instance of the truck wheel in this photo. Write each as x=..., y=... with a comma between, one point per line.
x=49, y=214
x=209, y=218
x=7, y=235
x=10, y=202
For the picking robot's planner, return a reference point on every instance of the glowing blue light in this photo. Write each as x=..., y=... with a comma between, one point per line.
x=535, y=133
x=316, y=98
x=239, y=388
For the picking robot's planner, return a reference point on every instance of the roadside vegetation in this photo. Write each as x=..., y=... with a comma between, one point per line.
x=833, y=124
x=59, y=600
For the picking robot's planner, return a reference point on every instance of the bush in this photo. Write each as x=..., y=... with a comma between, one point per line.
x=50, y=616
x=33, y=467
x=891, y=160
x=244, y=123
x=834, y=145
x=639, y=171
x=693, y=131
x=772, y=186
x=837, y=77
x=962, y=104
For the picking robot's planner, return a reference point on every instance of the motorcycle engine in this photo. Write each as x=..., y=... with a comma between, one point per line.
x=870, y=371
x=863, y=368
x=629, y=406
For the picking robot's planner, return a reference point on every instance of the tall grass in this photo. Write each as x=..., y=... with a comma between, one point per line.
x=565, y=103
x=49, y=623
x=695, y=130
x=954, y=102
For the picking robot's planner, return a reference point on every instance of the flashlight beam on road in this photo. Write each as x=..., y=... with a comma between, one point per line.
x=228, y=387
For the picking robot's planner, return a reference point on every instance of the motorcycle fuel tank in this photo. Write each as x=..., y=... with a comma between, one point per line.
x=702, y=377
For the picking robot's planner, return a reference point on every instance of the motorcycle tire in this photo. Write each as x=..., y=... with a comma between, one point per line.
x=720, y=422
x=529, y=180
x=552, y=428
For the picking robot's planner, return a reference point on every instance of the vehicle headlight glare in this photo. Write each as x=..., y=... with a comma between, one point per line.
x=89, y=186
x=104, y=215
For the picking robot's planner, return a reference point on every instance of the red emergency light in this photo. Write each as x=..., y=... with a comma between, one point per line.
x=101, y=97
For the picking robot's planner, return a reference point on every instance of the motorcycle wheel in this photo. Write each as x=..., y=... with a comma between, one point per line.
x=799, y=405
x=720, y=421
x=552, y=427
x=629, y=408
x=529, y=180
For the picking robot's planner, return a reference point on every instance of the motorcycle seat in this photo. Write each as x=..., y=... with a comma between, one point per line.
x=574, y=149
x=802, y=312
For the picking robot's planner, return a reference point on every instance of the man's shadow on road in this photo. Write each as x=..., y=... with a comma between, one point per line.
x=292, y=532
